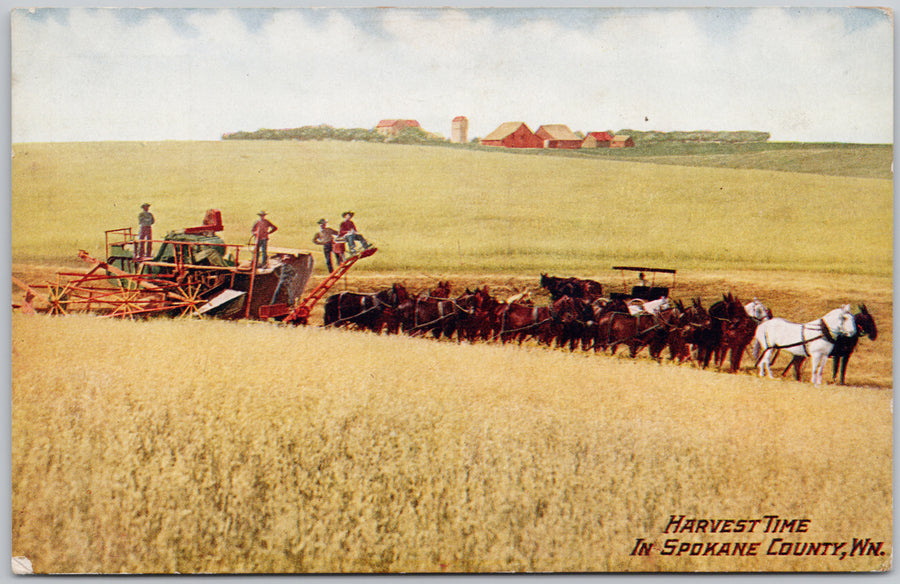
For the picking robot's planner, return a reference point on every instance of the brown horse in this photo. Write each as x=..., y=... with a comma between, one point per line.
x=637, y=331
x=442, y=290
x=427, y=313
x=521, y=322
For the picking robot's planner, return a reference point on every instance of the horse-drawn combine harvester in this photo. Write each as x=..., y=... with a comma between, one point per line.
x=193, y=273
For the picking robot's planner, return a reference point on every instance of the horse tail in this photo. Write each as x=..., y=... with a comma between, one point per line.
x=755, y=350
x=330, y=310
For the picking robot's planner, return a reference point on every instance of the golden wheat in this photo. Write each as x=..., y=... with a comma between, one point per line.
x=167, y=446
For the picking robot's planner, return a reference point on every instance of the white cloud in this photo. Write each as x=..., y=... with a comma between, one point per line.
x=800, y=74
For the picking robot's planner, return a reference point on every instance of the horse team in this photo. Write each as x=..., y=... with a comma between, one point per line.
x=578, y=315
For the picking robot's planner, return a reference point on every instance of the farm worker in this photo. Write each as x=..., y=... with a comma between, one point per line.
x=261, y=231
x=145, y=235
x=326, y=238
x=349, y=233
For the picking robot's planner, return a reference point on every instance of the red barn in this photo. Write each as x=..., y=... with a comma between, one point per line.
x=621, y=141
x=558, y=136
x=513, y=135
x=597, y=140
x=393, y=127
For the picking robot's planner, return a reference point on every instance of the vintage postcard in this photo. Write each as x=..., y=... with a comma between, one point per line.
x=451, y=290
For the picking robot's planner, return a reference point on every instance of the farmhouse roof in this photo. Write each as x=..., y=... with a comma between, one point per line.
x=558, y=132
x=620, y=138
x=504, y=130
x=600, y=135
x=389, y=123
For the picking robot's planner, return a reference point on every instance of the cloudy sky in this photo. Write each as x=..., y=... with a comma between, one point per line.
x=804, y=74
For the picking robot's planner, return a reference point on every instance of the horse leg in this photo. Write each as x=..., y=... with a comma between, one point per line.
x=839, y=365
x=796, y=362
x=737, y=353
x=818, y=365
x=765, y=361
x=797, y=367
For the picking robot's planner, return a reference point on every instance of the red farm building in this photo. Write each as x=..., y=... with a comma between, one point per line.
x=394, y=127
x=513, y=135
x=597, y=140
x=558, y=136
x=621, y=141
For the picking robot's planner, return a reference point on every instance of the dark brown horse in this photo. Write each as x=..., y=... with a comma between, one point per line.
x=472, y=314
x=682, y=337
x=737, y=333
x=363, y=310
x=722, y=314
x=570, y=317
x=573, y=287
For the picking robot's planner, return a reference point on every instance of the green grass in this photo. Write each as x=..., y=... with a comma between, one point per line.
x=437, y=209
x=828, y=158
x=849, y=160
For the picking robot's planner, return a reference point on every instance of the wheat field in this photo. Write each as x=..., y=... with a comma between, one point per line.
x=167, y=448
x=173, y=445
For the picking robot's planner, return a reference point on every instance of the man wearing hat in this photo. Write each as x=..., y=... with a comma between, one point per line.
x=261, y=231
x=145, y=235
x=349, y=233
x=326, y=238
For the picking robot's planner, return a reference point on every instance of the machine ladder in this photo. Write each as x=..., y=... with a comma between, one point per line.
x=300, y=313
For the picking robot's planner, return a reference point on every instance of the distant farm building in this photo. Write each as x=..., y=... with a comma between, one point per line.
x=597, y=140
x=459, y=129
x=558, y=136
x=394, y=127
x=621, y=141
x=513, y=135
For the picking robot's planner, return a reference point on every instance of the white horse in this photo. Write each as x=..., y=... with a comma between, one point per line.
x=813, y=339
x=652, y=307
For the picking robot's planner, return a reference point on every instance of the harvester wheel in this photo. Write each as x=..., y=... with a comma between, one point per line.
x=190, y=296
x=58, y=297
x=128, y=300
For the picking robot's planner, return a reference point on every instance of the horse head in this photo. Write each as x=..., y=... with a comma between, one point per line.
x=697, y=315
x=757, y=310
x=442, y=290
x=865, y=324
x=400, y=294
